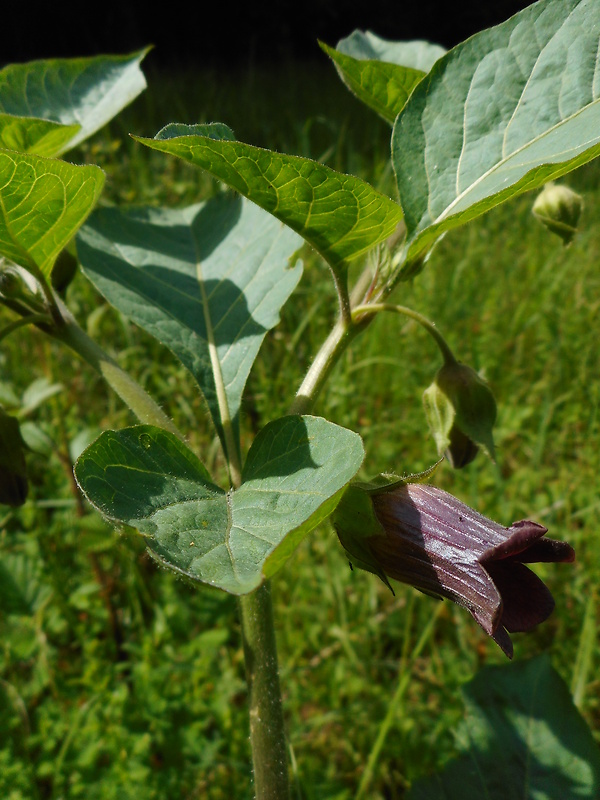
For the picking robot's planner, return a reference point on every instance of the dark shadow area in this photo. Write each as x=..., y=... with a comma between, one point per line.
x=241, y=34
x=293, y=444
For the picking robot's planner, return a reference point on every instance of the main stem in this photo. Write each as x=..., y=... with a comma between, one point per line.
x=267, y=729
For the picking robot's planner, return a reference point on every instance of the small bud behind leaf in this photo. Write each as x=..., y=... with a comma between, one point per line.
x=461, y=412
x=559, y=209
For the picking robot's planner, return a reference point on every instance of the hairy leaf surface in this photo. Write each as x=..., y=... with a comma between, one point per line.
x=208, y=281
x=147, y=478
x=340, y=215
x=502, y=113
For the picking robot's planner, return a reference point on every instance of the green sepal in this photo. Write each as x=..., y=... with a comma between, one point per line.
x=461, y=412
x=355, y=523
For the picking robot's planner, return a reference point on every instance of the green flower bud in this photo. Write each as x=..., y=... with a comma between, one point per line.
x=461, y=411
x=559, y=209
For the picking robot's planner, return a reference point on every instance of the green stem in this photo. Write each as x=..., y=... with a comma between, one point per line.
x=359, y=313
x=320, y=369
x=30, y=319
x=267, y=730
x=139, y=401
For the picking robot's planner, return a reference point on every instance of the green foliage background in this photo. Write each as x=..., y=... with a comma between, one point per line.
x=118, y=679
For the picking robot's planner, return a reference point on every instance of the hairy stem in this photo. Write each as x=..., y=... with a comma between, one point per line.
x=267, y=730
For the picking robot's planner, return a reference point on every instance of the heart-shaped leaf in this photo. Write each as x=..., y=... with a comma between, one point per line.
x=43, y=202
x=295, y=473
x=339, y=215
x=522, y=737
x=500, y=114
x=82, y=94
x=382, y=74
x=208, y=281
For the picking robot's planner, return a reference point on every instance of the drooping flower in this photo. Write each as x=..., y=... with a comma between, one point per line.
x=425, y=537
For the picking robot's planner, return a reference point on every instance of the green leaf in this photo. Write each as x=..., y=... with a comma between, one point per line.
x=208, y=281
x=43, y=202
x=82, y=94
x=382, y=74
x=522, y=737
x=500, y=114
x=147, y=478
x=30, y=135
x=339, y=215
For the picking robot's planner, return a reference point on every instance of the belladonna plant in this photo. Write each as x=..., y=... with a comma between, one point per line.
x=425, y=537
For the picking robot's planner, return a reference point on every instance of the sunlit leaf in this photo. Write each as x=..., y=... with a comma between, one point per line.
x=208, y=281
x=30, y=135
x=147, y=478
x=43, y=202
x=502, y=113
x=381, y=73
x=339, y=215
x=82, y=94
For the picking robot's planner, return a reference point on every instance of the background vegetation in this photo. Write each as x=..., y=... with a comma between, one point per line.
x=119, y=680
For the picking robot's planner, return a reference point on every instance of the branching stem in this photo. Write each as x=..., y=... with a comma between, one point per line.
x=359, y=313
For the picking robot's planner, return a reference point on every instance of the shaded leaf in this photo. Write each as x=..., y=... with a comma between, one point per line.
x=522, y=737
x=339, y=215
x=43, y=202
x=13, y=472
x=147, y=478
x=208, y=281
x=502, y=113
x=82, y=94
x=382, y=74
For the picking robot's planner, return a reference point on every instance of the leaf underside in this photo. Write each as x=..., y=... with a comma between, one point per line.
x=208, y=281
x=381, y=73
x=77, y=95
x=502, y=113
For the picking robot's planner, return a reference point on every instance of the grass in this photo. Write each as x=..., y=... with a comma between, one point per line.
x=118, y=679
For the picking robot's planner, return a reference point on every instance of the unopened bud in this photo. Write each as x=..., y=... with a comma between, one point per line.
x=461, y=412
x=559, y=209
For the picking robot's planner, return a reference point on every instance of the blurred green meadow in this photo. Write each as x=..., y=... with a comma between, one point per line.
x=119, y=679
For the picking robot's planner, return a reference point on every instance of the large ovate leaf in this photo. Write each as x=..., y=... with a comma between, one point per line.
x=340, y=215
x=78, y=94
x=208, y=281
x=147, y=478
x=502, y=113
x=381, y=73
x=43, y=202
x=522, y=737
